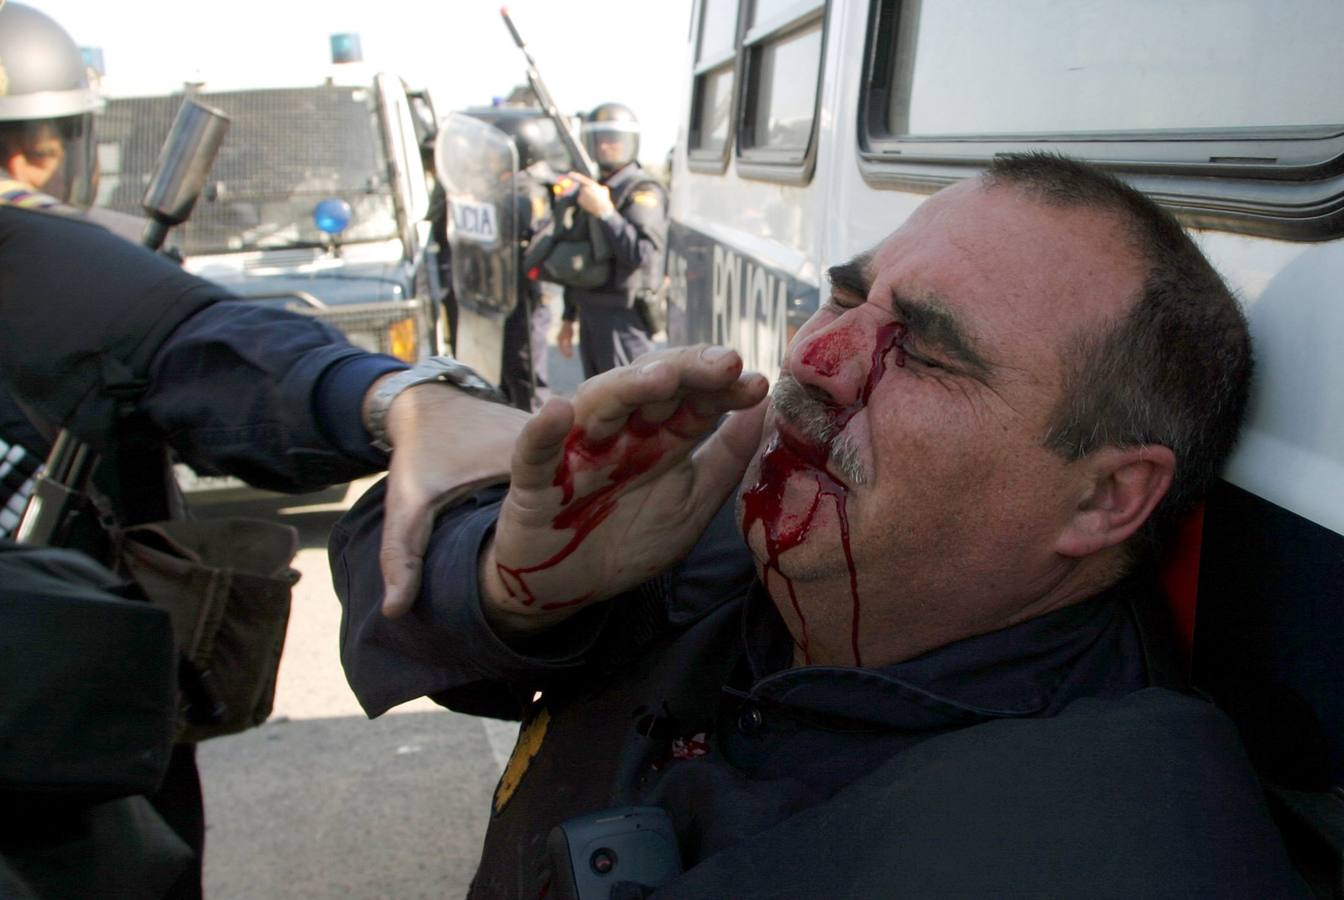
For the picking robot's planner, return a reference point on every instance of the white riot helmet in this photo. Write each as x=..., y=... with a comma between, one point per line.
x=47, y=103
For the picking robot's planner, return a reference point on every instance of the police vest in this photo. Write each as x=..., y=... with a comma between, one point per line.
x=573, y=249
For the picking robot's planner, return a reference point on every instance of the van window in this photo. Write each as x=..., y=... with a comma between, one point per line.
x=718, y=31
x=713, y=91
x=1168, y=93
x=784, y=104
x=715, y=100
x=1042, y=67
x=783, y=56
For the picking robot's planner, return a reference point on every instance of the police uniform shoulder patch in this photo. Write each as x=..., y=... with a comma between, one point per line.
x=530, y=738
x=646, y=197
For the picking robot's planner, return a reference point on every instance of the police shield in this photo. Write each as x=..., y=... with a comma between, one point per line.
x=476, y=164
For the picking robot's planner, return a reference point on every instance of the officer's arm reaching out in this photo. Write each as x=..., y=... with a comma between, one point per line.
x=612, y=488
x=281, y=400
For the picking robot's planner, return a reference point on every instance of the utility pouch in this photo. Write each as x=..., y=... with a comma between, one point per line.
x=573, y=250
x=227, y=584
x=572, y=264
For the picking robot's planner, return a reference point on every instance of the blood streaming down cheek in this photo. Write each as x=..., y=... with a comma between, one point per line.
x=784, y=458
x=629, y=453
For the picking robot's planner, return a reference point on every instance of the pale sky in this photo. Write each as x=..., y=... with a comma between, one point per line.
x=589, y=51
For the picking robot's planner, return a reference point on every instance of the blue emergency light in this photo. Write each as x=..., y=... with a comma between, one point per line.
x=93, y=59
x=345, y=48
x=332, y=215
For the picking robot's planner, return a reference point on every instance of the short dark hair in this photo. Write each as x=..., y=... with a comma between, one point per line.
x=18, y=136
x=14, y=137
x=1175, y=370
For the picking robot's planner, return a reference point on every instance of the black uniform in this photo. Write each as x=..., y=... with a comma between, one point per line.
x=611, y=330
x=1037, y=760
x=92, y=323
x=523, y=373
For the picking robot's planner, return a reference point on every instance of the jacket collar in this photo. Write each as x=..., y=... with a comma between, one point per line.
x=1034, y=668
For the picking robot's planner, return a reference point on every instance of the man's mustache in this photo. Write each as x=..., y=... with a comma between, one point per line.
x=814, y=417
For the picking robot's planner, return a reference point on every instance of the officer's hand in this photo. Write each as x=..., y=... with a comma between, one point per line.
x=606, y=491
x=594, y=198
x=445, y=444
x=564, y=341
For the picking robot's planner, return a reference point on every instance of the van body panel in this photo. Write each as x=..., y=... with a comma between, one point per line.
x=1292, y=448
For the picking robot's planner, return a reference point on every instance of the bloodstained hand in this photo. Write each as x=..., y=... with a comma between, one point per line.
x=623, y=457
x=610, y=490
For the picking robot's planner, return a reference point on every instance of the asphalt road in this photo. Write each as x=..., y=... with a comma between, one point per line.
x=321, y=802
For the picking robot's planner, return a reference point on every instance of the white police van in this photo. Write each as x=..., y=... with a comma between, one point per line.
x=811, y=129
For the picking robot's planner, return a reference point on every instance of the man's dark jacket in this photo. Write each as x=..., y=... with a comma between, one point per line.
x=1036, y=760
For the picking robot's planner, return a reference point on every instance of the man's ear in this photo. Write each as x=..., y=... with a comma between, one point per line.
x=1123, y=487
x=18, y=166
x=9, y=161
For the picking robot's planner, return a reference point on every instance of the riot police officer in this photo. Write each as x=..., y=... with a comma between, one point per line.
x=617, y=320
x=96, y=331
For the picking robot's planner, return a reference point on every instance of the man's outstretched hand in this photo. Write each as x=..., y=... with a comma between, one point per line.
x=610, y=489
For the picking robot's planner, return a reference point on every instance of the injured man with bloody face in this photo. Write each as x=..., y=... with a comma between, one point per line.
x=893, y=631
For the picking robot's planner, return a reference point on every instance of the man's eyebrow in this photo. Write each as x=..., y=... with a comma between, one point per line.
x=932, y=323
x=851, y=277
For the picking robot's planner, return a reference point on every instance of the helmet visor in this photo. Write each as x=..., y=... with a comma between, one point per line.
x=79, y=170
x=62, y=158
x=611, y=144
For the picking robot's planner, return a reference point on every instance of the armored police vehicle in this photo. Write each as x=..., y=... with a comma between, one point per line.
x=316, y=202
x=812, y=128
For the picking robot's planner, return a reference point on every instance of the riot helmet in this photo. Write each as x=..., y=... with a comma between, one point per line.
x=531, y=140
x=611, y=136
x=46, y=105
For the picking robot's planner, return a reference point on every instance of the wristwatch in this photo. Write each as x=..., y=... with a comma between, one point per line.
x=435, y=368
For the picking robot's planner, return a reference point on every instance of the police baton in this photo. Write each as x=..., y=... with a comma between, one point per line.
x=576, y=152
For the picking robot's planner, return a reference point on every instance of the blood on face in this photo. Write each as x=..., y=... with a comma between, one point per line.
x=785, y=457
